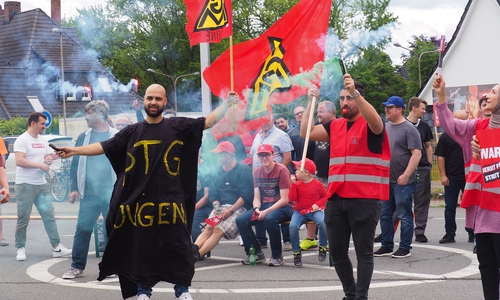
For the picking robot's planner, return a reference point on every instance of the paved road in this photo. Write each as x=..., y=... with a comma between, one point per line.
x=433, y=271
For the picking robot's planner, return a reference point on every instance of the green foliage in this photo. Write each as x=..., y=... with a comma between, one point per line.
x=424, y=48
x=14, y=126
x=129, y=37
x=378, y=76
x=19, y=125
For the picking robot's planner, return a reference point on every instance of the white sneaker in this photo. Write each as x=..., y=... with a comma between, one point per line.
x=21, y=254
x=142, y=297
x=72, y=273
x=240, y=239
x=60, y=251
x=185, y=296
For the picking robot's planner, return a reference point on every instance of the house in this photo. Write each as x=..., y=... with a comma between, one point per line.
x=30, y=68
x=470, y=64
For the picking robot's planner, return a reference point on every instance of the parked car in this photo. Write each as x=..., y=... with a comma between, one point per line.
x=10, y=164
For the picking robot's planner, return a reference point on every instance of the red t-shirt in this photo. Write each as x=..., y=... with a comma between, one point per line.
x=307, y=194
x=271, y=183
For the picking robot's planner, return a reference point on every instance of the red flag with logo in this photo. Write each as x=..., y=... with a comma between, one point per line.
x=209, y=21
x=273, y=68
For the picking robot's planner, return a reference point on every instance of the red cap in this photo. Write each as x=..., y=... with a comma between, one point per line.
x=309, y=165
x=224, y=146
x=265, y=148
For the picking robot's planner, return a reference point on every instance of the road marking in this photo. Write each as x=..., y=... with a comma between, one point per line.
x=39, y=271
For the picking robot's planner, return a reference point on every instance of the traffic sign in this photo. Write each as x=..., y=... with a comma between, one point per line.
x=49, y=118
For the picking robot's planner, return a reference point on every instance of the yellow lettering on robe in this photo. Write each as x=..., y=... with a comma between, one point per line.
x=134, y=221
x=147, y=217
x=161, y=214
x=180, y=211
x=145, y=144
x=122, y=210
x=165, y=161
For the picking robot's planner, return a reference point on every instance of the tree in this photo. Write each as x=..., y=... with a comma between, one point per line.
x=131, y=36
x=428, y=61
x=375, y=71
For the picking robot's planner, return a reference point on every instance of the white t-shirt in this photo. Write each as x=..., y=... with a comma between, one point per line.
x=35, y=150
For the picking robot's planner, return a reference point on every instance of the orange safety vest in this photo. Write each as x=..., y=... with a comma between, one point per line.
x=355, y=171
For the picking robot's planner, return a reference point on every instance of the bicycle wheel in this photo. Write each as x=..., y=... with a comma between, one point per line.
x=59, y=187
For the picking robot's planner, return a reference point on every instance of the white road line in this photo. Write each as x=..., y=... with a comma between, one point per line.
x=39, y=271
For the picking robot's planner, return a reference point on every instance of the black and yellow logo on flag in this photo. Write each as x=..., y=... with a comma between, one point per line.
x=273, y=76
x=212, y=16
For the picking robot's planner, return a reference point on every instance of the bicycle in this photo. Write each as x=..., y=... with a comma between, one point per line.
x=60, y=182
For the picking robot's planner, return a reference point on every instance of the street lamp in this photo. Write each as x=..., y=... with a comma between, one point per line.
x=399, y=45
x=419, y=73
x=60, y=31
x=174, y=81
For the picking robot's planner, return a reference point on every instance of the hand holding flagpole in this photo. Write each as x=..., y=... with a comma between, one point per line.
x=440, y=61
x=308, y=133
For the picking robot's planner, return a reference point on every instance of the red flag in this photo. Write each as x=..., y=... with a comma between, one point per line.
x=209, y=21
x=267, y=70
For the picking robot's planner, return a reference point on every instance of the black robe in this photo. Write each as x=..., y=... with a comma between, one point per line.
x=152, y=206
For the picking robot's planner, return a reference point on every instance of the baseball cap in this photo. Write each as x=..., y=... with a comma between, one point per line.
x=394, y=101
x=265, y=148
x=224, y=146
x=309, y=165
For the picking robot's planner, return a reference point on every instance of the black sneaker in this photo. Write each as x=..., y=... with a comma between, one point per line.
x=378, y=239
x=196, y=252
x=401, y=253
x=322, y=253
x=447, y=239
x=472, y=236
x=421, y=238
x=297, y=260
x=382, y=251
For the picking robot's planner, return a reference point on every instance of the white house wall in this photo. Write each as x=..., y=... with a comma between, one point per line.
x=473, y=57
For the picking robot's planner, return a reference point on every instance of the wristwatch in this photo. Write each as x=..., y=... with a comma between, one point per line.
x=356, y=95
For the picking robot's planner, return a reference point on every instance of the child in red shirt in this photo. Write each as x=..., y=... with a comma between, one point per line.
x=310, y=199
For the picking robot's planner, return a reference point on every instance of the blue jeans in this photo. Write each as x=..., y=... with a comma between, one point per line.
x=271, y=222
x=27, y=195
x=199, y=217
x=358, y=217
x=451, y=193
x=298, y=219
x=178, y=289
x=400, y=200
x=90, y=209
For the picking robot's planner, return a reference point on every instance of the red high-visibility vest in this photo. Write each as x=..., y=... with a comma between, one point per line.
x=355, y=171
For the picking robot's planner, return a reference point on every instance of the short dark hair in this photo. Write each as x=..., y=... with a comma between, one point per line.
x=359, y=87
x=277, y=116
x=483, y=98
x=415, y=102
x=35, y=117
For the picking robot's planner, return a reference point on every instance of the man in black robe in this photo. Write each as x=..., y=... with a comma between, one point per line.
x=152, y=206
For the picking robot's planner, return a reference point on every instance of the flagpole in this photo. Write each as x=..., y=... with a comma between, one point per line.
x=308, y=133
x=231, y=73
x=231, y=63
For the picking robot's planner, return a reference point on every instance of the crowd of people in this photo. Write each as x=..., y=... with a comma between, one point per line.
x=358, y=170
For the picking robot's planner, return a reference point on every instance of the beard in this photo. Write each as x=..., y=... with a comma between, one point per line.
x=155, y=114
x=351, y=112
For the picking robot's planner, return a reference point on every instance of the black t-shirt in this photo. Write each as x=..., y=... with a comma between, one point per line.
x=454, y=160
x=426, y=136
x=229, y=186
